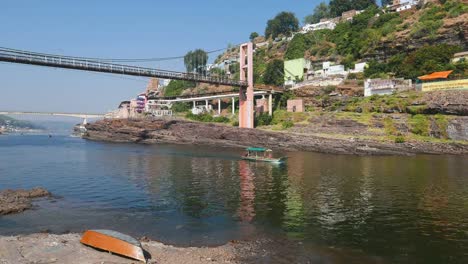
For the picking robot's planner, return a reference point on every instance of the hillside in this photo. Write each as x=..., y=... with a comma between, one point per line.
x=8, y=124
x=375, y=34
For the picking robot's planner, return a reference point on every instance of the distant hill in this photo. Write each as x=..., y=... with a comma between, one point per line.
x=10, y=124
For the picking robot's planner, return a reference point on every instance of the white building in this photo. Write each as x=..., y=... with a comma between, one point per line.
x=359, y=67
x=318, y=26
x=385, y=86
x=402, y=5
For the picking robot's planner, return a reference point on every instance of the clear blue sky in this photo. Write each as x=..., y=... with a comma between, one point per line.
x=116, y=29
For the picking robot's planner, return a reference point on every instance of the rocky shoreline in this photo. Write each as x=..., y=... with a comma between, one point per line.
x=66, y=248
x=16, y=201
x=194, y=133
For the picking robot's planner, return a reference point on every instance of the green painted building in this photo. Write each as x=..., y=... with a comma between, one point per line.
x=295, y=70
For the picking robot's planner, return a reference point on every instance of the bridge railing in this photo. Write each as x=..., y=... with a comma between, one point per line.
x=98, y=66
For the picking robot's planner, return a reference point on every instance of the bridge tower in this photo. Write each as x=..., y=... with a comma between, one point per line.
x=246, y=97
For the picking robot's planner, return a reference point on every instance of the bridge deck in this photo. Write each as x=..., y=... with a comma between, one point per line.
x=57, y=61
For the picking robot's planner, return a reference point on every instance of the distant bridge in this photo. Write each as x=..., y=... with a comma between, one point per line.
x=78, y=115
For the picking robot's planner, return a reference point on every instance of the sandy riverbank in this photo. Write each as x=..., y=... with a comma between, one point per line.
x=194, y=133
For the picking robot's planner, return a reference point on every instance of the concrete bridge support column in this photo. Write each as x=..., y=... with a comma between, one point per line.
x=219, y=106
x=194, y=104
x=206, y=103
x=233, y=105
x=246, y=106
x=270, y=104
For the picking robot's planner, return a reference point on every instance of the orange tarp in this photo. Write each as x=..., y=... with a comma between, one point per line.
x=435, y=76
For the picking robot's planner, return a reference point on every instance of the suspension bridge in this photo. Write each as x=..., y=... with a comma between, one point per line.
x=245, y=82
x=77, y=115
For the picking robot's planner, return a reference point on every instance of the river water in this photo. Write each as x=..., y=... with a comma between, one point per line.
x=391, y=209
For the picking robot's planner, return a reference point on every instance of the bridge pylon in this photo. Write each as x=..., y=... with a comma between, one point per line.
x=246, y=96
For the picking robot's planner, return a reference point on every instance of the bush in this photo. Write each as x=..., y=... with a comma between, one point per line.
x=442, y=123
x=419, y=125
x=180, y=107
x=399, y=139
x=221, y=119
x=287, y=124
x=426, y=28
x=263, y=120
x=175, y=87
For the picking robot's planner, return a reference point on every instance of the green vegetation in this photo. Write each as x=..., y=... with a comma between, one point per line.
x=195, y=61
x=442, y=122
x=287, y=124
x=175, y=87
x=337, y=7
x=253, y=35
x=320, y=11
x=424, y=60
x=180, y=107
x=381, y=103
x=400, y=139
x=419, y=125
x=207, y=118
x=282, y=24
x=274, y=73
x=263, y=120
x=297, y=47
x=368, y=33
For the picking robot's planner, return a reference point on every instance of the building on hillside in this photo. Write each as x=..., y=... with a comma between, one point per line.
x=152, y=89
x=402, y=5
x=140, y=103
x=348, y=15
x=296, y=70
x=328, y=24
x=261, y=106
x=359, y=67
x=385, y=86
x=122, y=112
x=261, y=44
x=295, y=105
x=335, y=20
x=461, y=56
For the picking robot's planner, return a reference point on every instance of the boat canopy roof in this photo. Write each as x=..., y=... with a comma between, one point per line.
x=258, y=149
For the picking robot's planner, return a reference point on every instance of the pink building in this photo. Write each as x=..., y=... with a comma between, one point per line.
x=261, y=105
x=295, y=105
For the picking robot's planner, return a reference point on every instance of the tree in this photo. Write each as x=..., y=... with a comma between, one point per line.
x=195, y=61
x=284, y=23
x=337, y=7
x=320, y=11
x=274, y=73
x=253, y=35
x=385, y=2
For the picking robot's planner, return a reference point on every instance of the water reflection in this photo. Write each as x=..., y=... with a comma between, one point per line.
x=246, y=209
x=402, y=209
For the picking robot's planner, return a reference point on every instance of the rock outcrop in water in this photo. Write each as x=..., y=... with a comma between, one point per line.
x=16, y=201
x=185, y=132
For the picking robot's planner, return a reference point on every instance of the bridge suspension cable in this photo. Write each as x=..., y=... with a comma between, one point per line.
x=84, y=64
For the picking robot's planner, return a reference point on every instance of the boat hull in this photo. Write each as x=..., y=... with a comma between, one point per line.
x=114, y=242
x=280, y=160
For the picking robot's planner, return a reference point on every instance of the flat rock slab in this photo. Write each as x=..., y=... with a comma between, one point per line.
x=16, y=201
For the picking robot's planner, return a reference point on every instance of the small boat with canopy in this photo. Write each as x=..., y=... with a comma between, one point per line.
x=261, y=154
